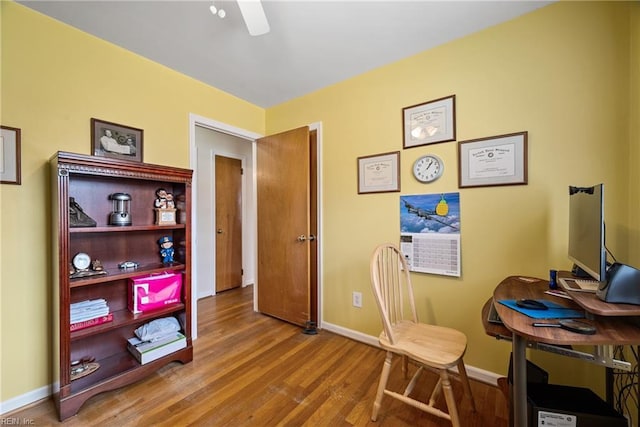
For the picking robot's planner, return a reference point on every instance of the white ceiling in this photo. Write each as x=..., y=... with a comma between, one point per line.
x=312, y=44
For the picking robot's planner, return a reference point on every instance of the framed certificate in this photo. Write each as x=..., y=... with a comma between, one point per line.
x=379, y=173
x=495, y=160
x=430, y=122
x=10, y=155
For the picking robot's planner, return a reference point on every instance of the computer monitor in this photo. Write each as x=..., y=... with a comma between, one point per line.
x=586, y=231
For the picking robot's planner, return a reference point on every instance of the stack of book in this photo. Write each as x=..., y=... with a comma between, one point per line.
x=148, y=351
x=89, y=313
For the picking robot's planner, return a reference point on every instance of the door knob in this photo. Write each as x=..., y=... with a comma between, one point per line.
x=312, y=237
x=219, y=230
x=302, y=238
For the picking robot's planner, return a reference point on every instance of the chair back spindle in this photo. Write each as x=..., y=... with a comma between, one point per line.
x=392, y=287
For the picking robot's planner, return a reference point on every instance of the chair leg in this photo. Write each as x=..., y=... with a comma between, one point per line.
x=465, y=383
x=382, y=385
x=405, y=367
x=450, y=399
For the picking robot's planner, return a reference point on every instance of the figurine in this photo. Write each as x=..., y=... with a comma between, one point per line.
x=166, y=249
x=170, y=203
x=161, y=198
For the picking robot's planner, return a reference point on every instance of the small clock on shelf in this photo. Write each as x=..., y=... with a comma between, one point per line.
x=428, y=168
x=81, y=261
x=82, y=266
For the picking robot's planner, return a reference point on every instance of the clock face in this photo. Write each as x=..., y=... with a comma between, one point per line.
x=81, y=261
x=428, y=168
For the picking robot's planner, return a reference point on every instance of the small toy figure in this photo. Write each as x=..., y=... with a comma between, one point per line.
x=161, y=198
x=170, y=203
x=166, y=249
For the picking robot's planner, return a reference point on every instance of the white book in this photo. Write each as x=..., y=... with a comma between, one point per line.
x=155, y=350
x=74, y=318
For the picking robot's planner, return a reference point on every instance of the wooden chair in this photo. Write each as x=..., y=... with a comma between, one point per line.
x=435, y=348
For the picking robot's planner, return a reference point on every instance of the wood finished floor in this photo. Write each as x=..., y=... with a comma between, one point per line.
x=253, y=370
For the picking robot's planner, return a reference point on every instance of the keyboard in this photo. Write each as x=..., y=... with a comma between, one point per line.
x=579, y=285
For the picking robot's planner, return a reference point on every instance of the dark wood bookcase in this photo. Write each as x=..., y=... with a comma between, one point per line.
x=90, y=180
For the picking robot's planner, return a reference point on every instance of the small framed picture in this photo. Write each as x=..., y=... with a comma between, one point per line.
x=10, y=155
x=429, y=123
x=495, y=160
x=379, y=173
x=116, y=141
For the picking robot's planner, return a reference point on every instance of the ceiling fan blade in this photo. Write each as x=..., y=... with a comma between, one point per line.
x=254, y=17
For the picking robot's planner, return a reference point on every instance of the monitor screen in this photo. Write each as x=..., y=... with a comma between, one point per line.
x=586, y=230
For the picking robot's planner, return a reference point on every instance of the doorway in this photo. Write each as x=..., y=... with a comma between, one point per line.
x=208, y=137
x=228, y=193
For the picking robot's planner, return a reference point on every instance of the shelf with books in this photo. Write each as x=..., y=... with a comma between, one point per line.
x=125, y=318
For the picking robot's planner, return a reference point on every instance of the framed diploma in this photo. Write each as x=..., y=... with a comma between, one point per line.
x=10, y=155
x=379, y=173
x=430, y=122
x=495, y=160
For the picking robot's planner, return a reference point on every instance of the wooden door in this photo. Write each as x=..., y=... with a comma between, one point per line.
x=283, y=195
x=228, y=223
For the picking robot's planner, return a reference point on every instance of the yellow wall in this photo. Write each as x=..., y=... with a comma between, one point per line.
x=633, y=225
x=54, y=79
x=562, y=73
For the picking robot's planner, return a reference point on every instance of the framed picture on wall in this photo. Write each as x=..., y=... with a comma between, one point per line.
x=379, y=173
x=10, y=155
x=495, y=160
x=116, y=141
x=430, y=122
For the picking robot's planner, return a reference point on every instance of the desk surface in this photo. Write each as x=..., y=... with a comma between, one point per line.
x=611, y=328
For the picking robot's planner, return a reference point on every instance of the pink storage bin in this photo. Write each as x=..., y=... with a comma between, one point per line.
x=154, y=291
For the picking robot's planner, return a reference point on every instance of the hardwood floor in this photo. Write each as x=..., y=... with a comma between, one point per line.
x=253, y=370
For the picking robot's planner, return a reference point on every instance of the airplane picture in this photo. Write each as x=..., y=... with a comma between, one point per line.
x=430, y=213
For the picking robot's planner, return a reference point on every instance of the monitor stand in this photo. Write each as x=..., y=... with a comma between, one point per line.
x=578, y=272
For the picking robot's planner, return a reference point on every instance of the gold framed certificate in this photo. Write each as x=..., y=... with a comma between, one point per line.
x=379, y=173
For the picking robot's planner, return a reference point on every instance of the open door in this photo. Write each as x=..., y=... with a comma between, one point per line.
x=284, y=231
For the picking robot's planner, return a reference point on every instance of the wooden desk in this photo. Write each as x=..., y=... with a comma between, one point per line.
x=616, y=324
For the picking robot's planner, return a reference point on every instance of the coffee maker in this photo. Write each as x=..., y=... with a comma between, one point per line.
x=121, y=205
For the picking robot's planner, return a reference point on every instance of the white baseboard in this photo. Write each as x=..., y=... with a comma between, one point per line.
x=477, y=374
x=25, y=399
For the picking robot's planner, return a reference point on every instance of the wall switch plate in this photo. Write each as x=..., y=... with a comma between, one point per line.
x=357, y=299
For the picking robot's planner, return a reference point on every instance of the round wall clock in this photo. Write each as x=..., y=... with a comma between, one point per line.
x=81, y=261
x=428, y=168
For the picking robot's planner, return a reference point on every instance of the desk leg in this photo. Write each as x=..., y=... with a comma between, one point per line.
x=519, y=346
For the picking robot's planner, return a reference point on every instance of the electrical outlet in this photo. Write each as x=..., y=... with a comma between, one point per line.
x=357, y=299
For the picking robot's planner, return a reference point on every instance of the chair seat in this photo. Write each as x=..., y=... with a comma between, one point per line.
x=437, y=346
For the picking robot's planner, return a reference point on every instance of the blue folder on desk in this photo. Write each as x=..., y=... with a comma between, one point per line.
x=555, y=311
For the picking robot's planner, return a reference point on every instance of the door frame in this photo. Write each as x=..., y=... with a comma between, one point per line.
x=251, y=226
